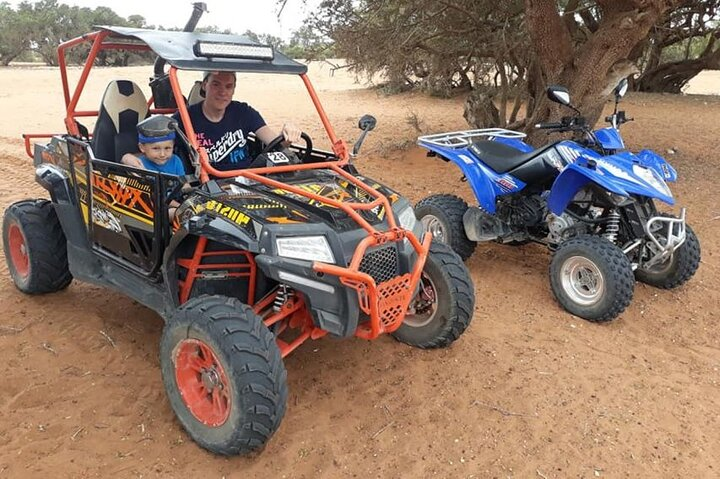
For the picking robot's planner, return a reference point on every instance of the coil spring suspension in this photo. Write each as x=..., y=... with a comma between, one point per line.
x=612, y=227
x=283, y=294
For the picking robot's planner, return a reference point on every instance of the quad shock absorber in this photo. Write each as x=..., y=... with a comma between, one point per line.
x=612, y=226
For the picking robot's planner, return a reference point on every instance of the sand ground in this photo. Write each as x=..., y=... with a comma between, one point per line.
x=528, y=391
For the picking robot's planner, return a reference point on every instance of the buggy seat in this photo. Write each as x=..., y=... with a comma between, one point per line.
x=123, y=106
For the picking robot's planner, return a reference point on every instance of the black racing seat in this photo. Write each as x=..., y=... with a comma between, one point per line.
x=197, y=94
x=123, y=106
x=501, y=157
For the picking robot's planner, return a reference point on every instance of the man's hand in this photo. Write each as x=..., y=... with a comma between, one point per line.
x=291, y=133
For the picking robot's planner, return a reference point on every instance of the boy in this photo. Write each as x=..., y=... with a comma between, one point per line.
x=155, y=141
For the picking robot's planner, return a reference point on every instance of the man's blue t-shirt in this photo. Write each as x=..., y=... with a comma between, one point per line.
x=226, y=140
x=173, y=166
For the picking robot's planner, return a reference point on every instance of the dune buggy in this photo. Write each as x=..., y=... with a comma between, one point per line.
x=253, y=262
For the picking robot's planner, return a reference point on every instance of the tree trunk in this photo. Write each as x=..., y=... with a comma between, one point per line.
x=672, y=77
x=592, y=70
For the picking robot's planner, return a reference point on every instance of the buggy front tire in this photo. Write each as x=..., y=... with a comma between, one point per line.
x=224, y=374
x=35, y=247
x=442, y=216
x=444, y=304
x=592, y=278
x=677, y=269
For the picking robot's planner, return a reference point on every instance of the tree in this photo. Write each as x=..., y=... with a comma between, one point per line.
x=15, y=33
x=590, y=65
x=501, y=55
x=683, y=45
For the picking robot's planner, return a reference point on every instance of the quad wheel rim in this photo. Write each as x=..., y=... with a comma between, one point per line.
x=18, y=250
x=435, y=226
x=582, y=280
x=424, y=306
x=202, y=382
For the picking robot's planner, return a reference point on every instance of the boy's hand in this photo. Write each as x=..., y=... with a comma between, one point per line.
x=131, y=160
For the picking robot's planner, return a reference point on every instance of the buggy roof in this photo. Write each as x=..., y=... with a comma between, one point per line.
x=176, y=48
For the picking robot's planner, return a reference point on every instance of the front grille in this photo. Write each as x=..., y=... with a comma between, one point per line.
x=381, y=263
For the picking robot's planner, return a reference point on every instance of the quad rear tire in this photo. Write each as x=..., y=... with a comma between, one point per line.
x=35, y=247
x=442, y=215
x=224, y=374
x=676, y=270
x=592, y=278
x=444, y=304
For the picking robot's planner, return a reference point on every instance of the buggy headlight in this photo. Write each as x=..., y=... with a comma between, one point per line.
x=407, y=218
x=650, y=176
x=310, y=248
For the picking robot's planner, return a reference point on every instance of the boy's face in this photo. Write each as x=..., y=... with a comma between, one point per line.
x=159, y=152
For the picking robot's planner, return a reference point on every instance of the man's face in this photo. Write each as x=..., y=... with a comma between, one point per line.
x=158, y=152
x=219, y=90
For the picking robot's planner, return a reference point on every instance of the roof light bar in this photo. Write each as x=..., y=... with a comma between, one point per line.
x=233, y=50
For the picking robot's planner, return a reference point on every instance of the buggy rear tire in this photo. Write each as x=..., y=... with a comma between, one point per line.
x=592, y=278
x=442, y=215
x=35, y=247
x=224, y=374
x=678, y=269
x=444, y=304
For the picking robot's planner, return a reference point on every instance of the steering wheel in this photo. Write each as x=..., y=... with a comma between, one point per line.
x=276, y=145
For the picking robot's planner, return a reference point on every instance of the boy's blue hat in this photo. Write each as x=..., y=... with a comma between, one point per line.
x=155, y=129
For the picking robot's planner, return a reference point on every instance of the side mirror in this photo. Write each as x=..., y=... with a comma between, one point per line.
x=621, y=89
x=559, y=94
x=367, y=123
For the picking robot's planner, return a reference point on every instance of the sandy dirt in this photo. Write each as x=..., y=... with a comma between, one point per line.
x=529, y=391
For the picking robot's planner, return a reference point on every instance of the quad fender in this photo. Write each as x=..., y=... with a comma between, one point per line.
x=573, y=178
x=609, y=138
x=658, y=163
x=477, y=175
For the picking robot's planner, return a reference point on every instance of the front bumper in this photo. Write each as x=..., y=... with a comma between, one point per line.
x=666, y=234
x=355, y=300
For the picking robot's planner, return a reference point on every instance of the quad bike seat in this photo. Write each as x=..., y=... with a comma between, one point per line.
x=123, y=106
x=501, y=157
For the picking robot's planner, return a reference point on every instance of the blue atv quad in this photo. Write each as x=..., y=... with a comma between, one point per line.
x=592, y=202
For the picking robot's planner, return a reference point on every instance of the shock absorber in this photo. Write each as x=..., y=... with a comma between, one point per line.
x=284, y=292
x=612, y=226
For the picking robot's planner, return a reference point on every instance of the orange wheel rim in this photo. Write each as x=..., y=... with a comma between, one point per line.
x=18, y=250
x=202, y=382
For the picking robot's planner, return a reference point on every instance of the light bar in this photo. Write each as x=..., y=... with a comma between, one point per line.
x=233, y=50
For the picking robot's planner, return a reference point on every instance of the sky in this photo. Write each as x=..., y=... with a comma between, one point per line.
x=260, y=16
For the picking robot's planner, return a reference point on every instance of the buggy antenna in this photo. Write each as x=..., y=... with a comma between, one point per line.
x=159, y=83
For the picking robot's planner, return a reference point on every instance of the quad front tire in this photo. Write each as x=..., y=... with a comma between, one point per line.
x=35, y=247
x=442, y=216
x=677, y=269
x=224, y=374
x=592, y=278
x=444, y=304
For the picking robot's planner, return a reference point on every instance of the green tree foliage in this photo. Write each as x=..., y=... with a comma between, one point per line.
x=15, y=33
x=684, y=44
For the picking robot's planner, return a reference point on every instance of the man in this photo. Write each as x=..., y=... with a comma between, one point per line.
x=222, y=125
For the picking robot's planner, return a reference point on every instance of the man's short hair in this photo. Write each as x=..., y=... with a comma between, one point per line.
x=207, y=73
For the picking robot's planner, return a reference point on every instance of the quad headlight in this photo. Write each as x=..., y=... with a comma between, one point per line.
x=309, y=248
x=650, y=176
